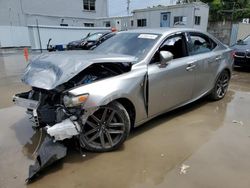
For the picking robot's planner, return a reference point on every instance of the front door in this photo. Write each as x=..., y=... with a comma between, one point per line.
x=172, y=85
x=165, y=19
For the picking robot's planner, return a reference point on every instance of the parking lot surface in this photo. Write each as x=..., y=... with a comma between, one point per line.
x=212, y=139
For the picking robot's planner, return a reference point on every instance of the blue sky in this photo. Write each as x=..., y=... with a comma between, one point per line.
x=119, y=7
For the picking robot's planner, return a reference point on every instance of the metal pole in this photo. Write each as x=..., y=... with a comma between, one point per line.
x=128, y=6
x=39, y=37
x=232, y=18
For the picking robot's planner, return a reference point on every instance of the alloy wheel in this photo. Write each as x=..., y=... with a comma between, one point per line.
x=104, y=129
x=222, y=85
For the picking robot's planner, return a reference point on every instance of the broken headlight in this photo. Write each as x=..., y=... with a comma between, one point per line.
x=72, y=101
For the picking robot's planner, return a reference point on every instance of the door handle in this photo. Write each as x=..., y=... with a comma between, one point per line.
x=190, y=67
x=218, y=58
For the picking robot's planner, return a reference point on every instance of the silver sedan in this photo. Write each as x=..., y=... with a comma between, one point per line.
x=98, y=96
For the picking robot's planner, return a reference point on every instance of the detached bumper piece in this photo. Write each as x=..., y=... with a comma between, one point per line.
x=48, y=153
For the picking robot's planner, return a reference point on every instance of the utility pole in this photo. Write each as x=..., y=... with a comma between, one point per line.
x=128, y=7
x=128, y=13
x=39, y=37
x=232, y=18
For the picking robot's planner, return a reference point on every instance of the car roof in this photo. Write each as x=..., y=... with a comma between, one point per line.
x=163, y=31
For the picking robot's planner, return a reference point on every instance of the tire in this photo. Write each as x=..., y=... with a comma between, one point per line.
x=221, y=86
x=106, y=129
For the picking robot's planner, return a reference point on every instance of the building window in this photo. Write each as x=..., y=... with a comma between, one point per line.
x=89, y=24
x=197, y=20
x=141, y=22
x=132, y=23
x=180, y=20
x=89, y=5
x=106, y=24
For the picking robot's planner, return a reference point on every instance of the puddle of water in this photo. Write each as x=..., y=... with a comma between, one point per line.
x=149, y=158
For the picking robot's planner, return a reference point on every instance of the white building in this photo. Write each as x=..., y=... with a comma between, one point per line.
x=34, y=22
x=192, y=15
x=52, y=12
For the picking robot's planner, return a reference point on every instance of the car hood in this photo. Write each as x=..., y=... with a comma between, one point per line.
x=47, y=71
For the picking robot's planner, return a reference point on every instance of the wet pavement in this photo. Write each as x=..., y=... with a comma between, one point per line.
x=201, y=135
x=11, y=67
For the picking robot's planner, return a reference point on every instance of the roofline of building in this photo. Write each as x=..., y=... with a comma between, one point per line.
x=114, y=17
x=161, y=7
x=69, y=27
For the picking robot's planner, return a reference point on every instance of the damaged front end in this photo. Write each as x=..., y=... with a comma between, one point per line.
x=49, y=113
x=54, y=109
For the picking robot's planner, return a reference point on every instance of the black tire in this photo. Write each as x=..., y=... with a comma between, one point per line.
x=221, y=86
x=106, y=129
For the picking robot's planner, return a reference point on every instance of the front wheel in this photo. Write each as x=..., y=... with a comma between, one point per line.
x=106, y=129
x=221, y=86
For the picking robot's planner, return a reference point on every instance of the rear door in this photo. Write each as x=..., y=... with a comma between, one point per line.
x=201, y=50
x=172, y=85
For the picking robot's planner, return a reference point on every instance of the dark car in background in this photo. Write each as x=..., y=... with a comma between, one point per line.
x=242, y=52
x=90, y=41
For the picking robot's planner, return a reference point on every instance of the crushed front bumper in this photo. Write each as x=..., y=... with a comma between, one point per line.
x=51, y=149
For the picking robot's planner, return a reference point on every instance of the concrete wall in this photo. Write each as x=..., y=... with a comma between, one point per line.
x=14, y=36
x=59, y=35
x=221, y=30
x=243, y=30
x=49, y=12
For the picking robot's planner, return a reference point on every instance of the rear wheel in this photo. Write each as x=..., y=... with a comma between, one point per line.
x=221, y=86
x=106, y=129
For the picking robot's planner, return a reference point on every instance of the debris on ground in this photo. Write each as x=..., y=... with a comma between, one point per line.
x=84, y=155
x=162, y=155
x=184, y=169
x=48, y=153
x=238, y=122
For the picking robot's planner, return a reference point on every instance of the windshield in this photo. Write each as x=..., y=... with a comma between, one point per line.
x=247, y=39
x=94, y=36
x=134, y=44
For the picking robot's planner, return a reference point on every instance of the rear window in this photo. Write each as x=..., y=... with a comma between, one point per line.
x=199, y=43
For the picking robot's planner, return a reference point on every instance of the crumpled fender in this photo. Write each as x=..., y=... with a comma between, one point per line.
x=129, y=85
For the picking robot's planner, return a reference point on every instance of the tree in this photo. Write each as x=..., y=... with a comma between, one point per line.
x=228, y=9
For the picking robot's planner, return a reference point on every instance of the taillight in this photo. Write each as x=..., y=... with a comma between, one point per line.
x=232, y=54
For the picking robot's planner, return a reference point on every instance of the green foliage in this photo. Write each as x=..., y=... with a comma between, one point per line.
x=228, y=9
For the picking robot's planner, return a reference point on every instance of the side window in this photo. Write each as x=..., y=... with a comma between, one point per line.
x=175, y=44
x=199, y=43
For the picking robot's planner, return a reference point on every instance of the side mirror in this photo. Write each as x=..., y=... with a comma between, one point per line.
x=239, y=41
x=165, y=57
